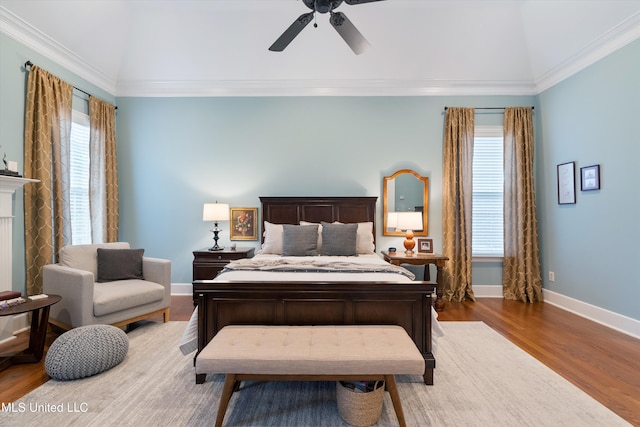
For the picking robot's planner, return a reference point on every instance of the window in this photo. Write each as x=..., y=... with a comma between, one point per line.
x=488, y=177
x=79, y=180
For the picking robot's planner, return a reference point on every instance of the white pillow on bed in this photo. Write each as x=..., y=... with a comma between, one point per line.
x=364, y=238
x=272, y=238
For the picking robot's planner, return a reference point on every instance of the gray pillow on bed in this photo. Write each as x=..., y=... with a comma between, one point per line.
x=339, y=239
x=299, y=240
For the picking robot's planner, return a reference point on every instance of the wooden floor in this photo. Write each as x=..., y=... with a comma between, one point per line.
x=602, y=362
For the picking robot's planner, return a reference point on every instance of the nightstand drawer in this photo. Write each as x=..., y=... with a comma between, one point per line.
x=218, y=257
x=207, y=264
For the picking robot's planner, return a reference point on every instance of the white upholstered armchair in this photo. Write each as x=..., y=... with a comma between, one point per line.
x=107, y=283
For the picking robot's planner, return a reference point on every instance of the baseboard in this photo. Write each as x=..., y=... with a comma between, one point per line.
x=610, y=319
x=182, y=289
x=487, y=291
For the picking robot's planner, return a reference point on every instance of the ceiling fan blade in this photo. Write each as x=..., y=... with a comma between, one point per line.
x=352, y=2
x=349, y=33
x=291, y=32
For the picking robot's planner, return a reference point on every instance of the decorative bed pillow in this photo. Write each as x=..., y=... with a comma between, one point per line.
x=299, y=240
x=339, y=239
x=119, y=264
x=319, y=232
x=272, y=239
x=364, y=238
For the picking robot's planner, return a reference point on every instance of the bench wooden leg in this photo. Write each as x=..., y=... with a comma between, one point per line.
x=428, y=376
x=390, y=381
x=227, y=391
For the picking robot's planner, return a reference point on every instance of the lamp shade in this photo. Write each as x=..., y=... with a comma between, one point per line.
x=215, y=212
x=410, y=221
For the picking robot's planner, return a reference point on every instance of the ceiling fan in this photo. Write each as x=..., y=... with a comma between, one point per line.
x=340, y=22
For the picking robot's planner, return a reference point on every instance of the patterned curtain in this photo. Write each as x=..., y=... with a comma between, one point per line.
x=46, y=158
x=521, y=279
x=103, y=181
x=456, y=204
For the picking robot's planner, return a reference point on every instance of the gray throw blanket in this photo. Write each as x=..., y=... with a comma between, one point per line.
x=314, y=266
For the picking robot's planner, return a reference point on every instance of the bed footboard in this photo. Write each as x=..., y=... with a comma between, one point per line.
x=408, y=305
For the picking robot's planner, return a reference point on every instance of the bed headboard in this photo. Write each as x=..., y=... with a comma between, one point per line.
x=292, y=210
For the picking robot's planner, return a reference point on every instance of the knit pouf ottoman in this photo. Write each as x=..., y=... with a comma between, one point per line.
x=86, y=351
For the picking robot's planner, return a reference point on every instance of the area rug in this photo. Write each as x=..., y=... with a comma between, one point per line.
x=481, y=380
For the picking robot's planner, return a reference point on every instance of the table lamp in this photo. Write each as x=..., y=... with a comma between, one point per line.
x=409, y=221
x=215, y=212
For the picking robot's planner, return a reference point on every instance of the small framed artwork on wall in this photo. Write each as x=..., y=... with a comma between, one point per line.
x=425, y=246
x=567, y=183
x=590, y=178
x=243, y=224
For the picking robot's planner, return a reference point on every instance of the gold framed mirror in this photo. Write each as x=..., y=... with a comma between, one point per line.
x=404, y=191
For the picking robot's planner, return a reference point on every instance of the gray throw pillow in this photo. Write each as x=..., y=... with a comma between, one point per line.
x=339, y=239
x=299, y=240
x=119, y=264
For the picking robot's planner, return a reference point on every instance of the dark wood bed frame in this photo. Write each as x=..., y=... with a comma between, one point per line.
x=222, y=303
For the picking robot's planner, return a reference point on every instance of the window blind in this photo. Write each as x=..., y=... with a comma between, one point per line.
x=79, y=179
x=488, y=177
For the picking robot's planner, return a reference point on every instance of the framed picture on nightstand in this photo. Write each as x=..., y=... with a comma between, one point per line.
x=425, y=246
x=243, y=224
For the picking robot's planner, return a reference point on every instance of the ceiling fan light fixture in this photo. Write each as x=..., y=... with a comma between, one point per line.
x=323, y=6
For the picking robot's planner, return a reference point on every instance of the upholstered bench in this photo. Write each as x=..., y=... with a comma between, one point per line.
x=310, y=353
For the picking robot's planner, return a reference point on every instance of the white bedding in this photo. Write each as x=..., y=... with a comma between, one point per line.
x=189, y=342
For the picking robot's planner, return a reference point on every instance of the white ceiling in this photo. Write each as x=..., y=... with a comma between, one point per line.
x=419, y=47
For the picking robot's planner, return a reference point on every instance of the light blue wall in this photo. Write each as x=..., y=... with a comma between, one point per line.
x=13, y=82
x=592, y=246
x=177, y=153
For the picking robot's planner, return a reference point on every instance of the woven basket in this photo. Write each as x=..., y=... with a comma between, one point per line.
x=360, y=409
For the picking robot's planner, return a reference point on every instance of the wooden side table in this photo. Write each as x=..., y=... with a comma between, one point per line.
x=39, y=309
x=438, y=260
x=207, y=264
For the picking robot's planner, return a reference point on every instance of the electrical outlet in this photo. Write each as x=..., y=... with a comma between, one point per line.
x=552, y=276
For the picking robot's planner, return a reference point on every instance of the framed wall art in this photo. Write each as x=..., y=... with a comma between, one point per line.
x=425, y=246
x=590, y=178
x=567, y=183
x=243, y=224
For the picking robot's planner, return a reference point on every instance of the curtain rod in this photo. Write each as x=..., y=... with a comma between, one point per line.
x=487, y=108
x=28, y=65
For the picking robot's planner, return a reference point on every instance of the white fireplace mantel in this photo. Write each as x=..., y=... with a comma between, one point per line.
x=8, y=186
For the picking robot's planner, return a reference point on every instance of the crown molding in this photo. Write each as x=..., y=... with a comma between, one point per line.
x=19, y=30
x=614, y=39
x=321, y=88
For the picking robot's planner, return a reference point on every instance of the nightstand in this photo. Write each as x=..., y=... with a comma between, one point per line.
x=399, y=257
x=207, y=264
